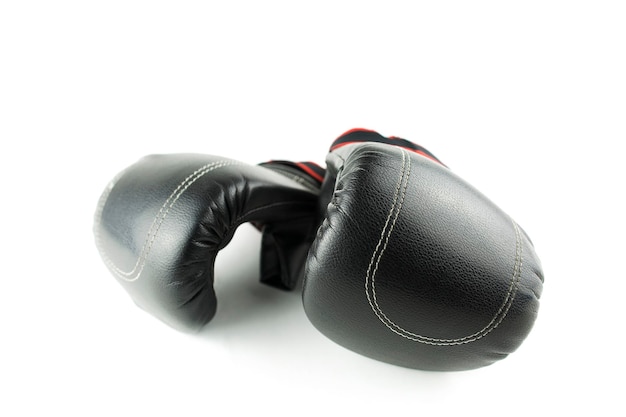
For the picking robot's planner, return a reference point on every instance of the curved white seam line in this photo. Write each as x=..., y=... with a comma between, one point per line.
x=495, y=321
x=159, y=214
x=493, y=324
x=134, y=274
x=405, y=181
x=382, y=234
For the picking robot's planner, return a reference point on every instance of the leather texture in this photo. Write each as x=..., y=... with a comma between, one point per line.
x=161, y=222
x=413, y=266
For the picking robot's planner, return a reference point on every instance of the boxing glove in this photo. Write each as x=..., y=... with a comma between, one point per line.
x=161, y=222
x=412, y=265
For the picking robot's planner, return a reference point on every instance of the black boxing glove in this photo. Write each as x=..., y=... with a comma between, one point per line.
x=412, y=265
x=161, y=222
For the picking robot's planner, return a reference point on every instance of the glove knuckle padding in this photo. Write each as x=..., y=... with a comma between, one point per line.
x=161, y=222
x=413, y=266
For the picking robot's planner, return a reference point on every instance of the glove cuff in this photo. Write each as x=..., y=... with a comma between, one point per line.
x=359, y=135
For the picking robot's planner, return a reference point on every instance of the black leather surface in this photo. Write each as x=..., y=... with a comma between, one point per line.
x=415, y=267
x=161, y=222
x=285, y=243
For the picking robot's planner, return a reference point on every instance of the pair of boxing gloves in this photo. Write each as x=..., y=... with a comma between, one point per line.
x=402, y=260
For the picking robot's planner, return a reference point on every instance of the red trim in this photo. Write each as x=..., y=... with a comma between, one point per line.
x=309, y=171
x=403, y=147
x=356, y=129
x=312, y=163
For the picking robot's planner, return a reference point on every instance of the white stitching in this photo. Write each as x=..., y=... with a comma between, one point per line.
x=369, y=273
x=135, y=273
x=405, y=181
x=370, y=276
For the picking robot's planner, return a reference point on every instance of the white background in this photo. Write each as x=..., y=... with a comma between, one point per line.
x=526, y=100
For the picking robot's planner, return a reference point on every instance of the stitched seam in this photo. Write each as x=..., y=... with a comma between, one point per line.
x=405, y=182
x=158, y=220
x=371, y=277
